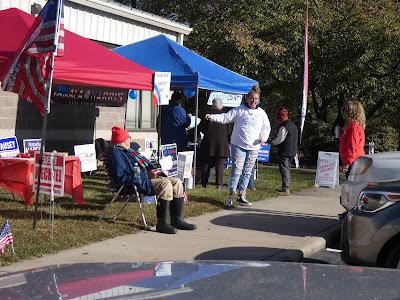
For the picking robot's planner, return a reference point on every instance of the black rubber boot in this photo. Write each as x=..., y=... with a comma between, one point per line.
x=177, y=220
x=163, y=225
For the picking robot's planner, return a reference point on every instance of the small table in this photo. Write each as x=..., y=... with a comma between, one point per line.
x=16, y=176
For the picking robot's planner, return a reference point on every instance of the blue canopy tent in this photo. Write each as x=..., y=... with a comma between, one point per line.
x=188, y=69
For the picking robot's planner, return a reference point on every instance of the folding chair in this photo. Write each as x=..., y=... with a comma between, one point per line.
x=117, y=189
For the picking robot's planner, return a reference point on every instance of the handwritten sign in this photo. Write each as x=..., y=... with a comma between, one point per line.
x=87, y=157
x=170, y=150
x=327, y=169
x=53, y=167
x=32, y=145
x=9, y=147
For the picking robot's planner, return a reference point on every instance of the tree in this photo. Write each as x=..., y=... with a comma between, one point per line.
x=353, y=54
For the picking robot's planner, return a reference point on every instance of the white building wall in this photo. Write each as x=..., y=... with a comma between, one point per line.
x=108, y=22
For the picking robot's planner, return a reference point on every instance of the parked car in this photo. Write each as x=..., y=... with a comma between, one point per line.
x=201, y=280
x=368, y=170
x=370, y=232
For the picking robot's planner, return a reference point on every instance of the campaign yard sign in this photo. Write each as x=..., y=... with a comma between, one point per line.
x=263, y=154
x=170, y=150
x=327, y=169
x=53, y=166
x=87, y=157
x=185, y=161
x=31, y=145
x=9, y=147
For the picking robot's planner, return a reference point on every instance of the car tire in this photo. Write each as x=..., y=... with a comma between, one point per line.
x=393, y=258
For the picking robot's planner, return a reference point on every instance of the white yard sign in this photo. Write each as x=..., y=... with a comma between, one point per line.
x=327, y=169
x=52, y=174
x=87, y=157
x=185, y=161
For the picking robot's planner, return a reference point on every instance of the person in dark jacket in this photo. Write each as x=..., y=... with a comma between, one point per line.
x=214, y=148
x=286, y=140
x=131, y=168
x=172, y=123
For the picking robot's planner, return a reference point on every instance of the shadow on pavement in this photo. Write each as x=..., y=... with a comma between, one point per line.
x=252, y=254
x=293, y=224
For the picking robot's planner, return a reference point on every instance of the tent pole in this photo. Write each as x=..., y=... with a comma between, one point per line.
x=158, y=128
x=195, y=137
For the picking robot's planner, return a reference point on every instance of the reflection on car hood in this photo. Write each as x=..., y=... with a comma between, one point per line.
x=201, y=280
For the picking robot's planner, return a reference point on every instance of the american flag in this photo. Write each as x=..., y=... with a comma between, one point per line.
x=6, y=237
x=32, y=65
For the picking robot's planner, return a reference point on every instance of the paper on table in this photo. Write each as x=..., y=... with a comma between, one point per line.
x=166, y=163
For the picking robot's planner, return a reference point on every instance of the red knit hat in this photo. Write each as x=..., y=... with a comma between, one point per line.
x=118, y=135
x=282, y=114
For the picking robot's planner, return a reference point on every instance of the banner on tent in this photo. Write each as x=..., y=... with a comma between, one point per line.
x=9, y=147
x=31, y=145
x=162, y=86
x=89, y=95
x=228, y=100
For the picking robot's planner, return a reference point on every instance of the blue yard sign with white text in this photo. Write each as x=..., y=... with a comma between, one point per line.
x=9, y=147
x=263, y=154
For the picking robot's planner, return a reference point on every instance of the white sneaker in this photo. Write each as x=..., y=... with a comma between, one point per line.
x=229, y=202
x=244, y=202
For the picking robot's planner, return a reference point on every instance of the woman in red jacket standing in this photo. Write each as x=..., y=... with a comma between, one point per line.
x=352, y=141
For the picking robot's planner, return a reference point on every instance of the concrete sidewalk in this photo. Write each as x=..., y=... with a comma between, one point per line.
x=283, y=228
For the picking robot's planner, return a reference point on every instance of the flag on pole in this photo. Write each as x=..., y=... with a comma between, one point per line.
x=6, y=237
x=31, y=66
x=305, y=77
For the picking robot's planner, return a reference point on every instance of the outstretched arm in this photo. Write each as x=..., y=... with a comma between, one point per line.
x=225, y=118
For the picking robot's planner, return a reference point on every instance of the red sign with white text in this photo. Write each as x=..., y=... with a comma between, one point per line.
x=52, y=174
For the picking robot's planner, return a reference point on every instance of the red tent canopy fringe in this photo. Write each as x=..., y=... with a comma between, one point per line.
x=85, y=63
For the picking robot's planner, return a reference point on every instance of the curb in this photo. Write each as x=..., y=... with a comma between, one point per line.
x=327, y=238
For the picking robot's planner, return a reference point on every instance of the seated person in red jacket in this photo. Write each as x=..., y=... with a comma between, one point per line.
x=131, y=168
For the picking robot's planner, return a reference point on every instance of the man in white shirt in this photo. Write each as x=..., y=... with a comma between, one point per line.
x=251, y=128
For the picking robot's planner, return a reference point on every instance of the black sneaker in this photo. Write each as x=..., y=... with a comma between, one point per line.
x=244, y=202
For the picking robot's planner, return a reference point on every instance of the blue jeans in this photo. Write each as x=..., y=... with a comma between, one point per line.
x=251, y=181
x=243, y=162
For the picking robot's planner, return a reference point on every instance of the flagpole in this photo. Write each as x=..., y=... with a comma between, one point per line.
x=47, y=111
x=42, y=146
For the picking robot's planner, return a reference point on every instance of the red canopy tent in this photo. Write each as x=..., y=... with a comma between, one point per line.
x=84, y=62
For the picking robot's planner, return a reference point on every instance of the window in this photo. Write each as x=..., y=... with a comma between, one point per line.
x=141, y=113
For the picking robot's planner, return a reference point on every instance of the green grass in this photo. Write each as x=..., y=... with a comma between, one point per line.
x=78, y=225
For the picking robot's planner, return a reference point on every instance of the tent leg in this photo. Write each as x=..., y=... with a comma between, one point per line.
x=195, y=138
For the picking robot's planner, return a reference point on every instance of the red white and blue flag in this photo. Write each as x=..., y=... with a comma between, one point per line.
x=31, y=67
x=305, y=76
x=6, y=237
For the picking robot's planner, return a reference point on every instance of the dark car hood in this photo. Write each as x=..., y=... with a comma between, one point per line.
x=201, y=280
